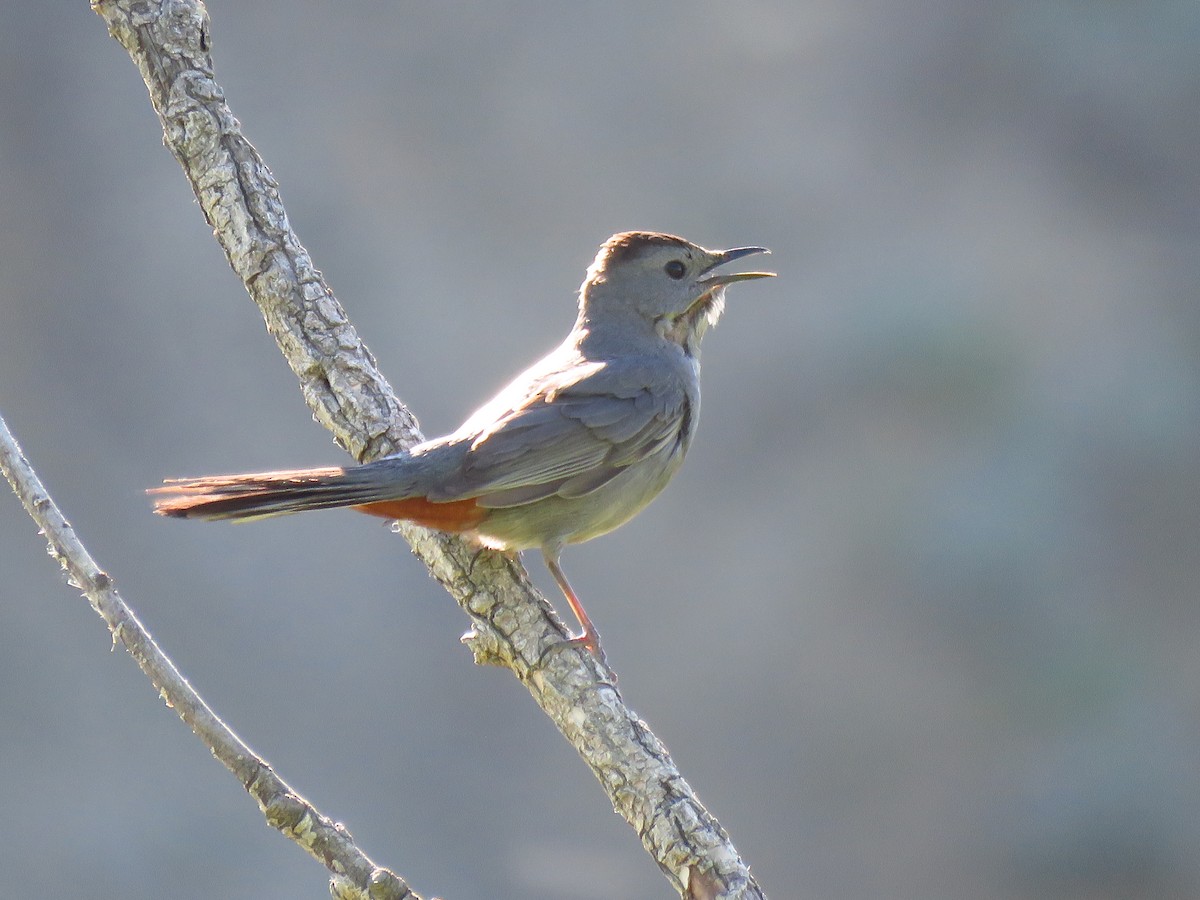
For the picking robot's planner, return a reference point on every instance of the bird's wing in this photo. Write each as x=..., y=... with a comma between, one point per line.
x=570, y=437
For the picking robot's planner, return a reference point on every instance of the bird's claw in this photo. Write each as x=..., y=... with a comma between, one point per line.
x=590, y=641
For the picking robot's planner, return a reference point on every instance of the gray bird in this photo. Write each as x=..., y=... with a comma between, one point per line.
x=575, y=446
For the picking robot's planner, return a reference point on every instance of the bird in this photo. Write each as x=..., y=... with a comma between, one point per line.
x=573, y=447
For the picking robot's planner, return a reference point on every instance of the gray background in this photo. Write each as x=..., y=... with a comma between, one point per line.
x=919, y=617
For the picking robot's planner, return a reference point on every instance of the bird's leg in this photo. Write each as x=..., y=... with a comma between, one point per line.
x=589, y=637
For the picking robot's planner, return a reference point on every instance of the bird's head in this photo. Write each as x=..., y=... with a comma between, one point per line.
x=661, y=279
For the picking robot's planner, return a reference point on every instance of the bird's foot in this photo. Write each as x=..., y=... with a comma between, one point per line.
x=588, y=640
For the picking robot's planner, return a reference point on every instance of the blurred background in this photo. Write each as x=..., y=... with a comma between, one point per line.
x=918, y=618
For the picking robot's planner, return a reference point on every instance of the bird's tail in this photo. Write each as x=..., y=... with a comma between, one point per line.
x=263, y=494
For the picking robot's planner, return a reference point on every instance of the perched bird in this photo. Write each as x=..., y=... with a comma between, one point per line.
x=573, y=447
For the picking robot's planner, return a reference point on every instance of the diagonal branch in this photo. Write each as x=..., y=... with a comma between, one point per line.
x=283, y=808
x=169, y=41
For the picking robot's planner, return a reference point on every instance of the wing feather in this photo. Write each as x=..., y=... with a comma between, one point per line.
x=570, y=439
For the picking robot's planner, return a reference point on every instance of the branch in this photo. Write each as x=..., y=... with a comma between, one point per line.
x=514, y=626
x=284, y=809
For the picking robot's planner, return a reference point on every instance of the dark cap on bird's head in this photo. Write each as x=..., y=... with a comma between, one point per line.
x=630, y=244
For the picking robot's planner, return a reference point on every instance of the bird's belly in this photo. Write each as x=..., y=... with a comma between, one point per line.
x=562, y=520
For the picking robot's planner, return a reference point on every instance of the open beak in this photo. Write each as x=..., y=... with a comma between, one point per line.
x=728, y=256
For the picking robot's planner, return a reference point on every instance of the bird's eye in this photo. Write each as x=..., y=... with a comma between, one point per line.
x=675, y=269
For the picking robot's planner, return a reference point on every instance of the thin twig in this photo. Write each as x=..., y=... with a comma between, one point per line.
x=284, y=809
x=170, y=42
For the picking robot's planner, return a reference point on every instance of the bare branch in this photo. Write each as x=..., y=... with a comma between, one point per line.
x=169, y=41
x=284, y=809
